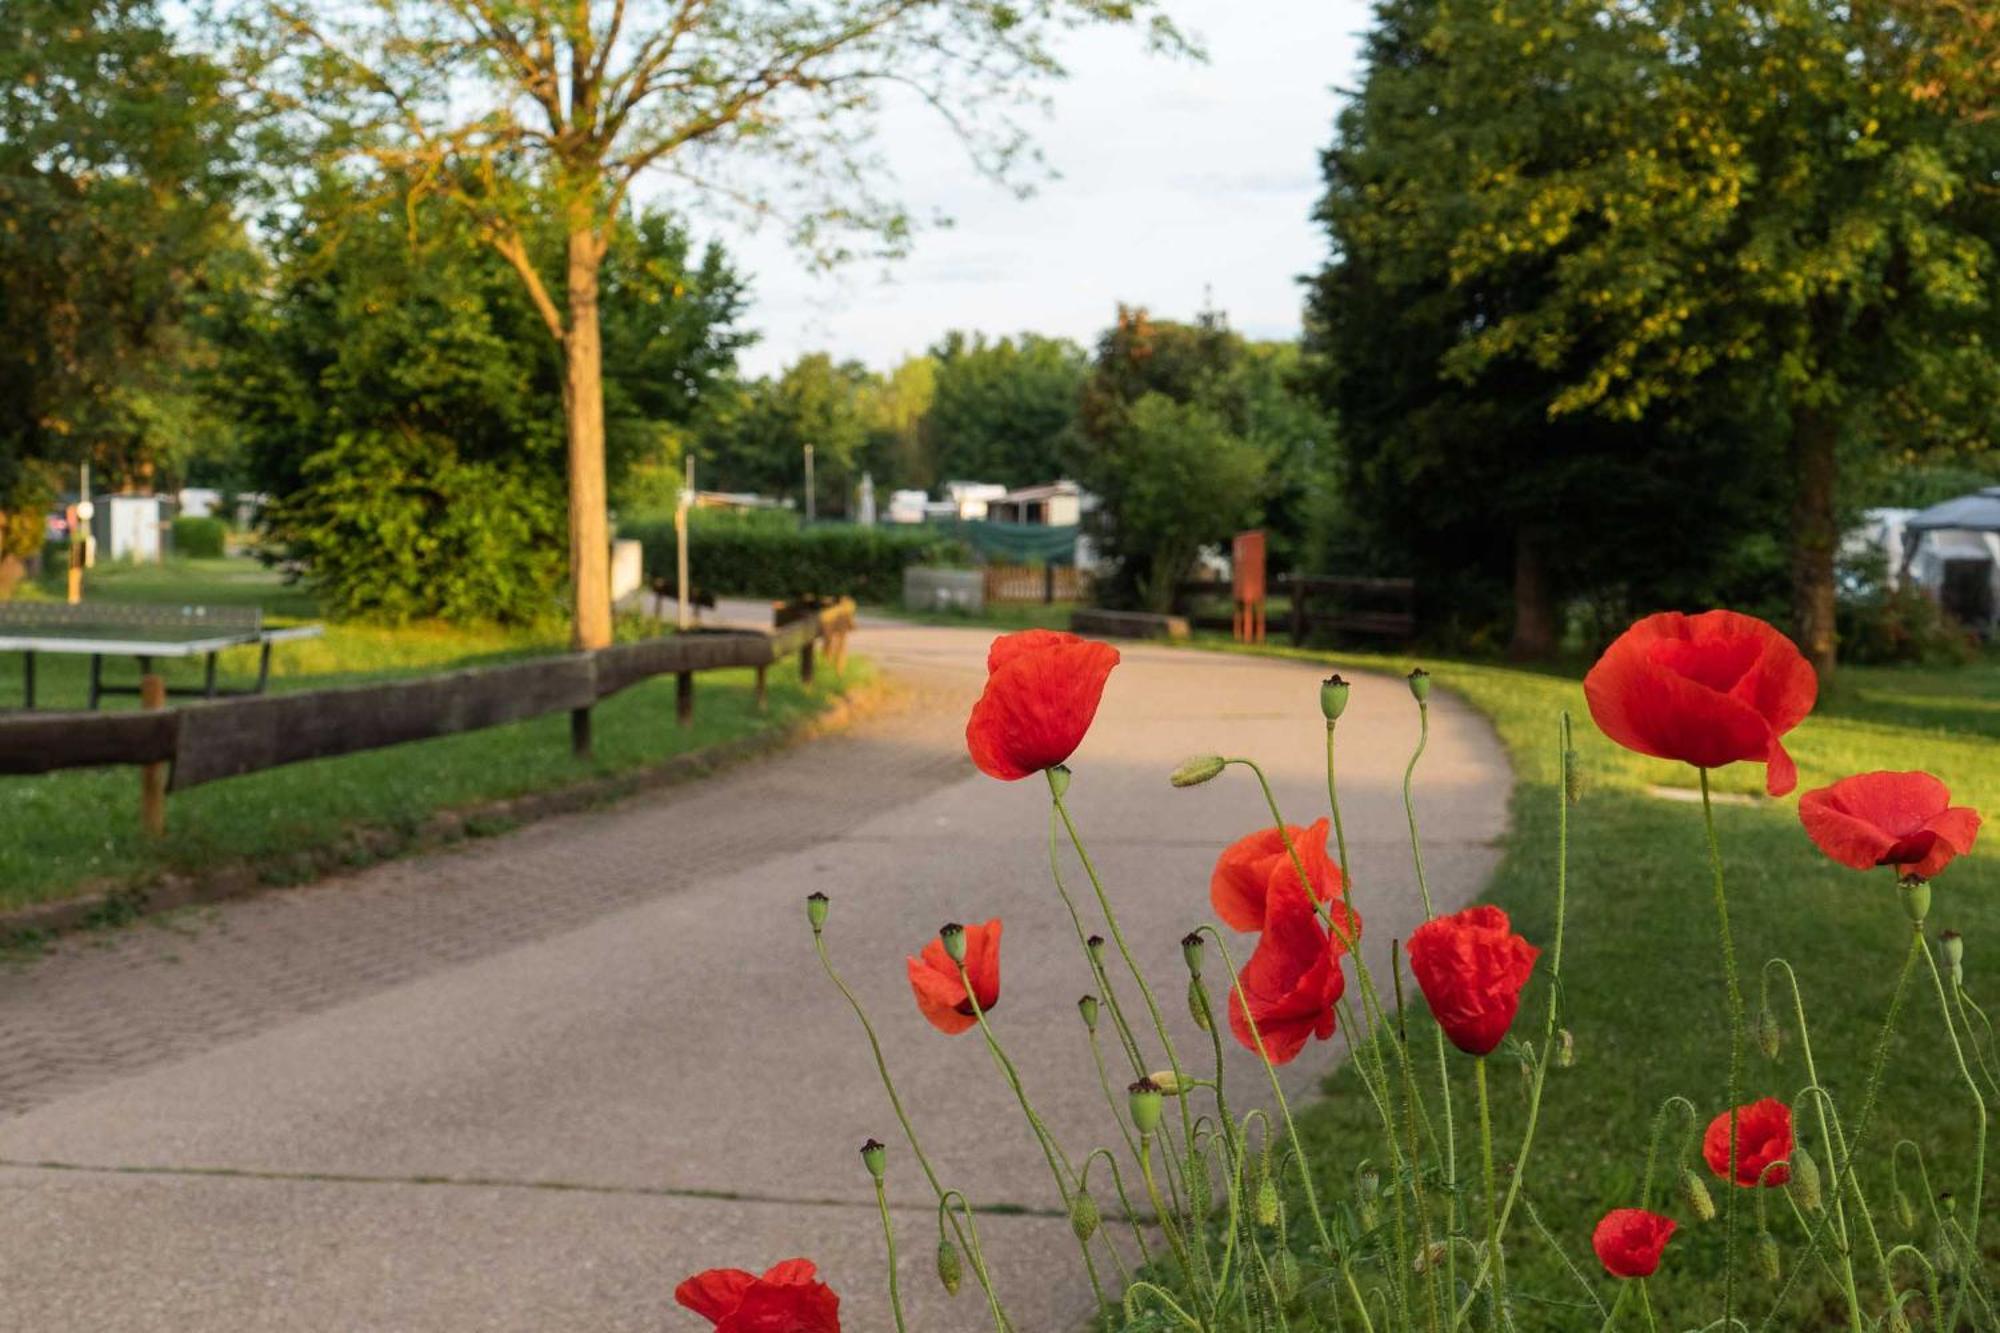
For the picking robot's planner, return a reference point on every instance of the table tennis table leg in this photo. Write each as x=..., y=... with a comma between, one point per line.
x=208, y=680
x=96, y=679
x=28, y=679
x=263, y=666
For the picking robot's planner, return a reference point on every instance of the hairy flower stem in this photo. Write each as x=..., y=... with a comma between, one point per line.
x=1979, y=1141
x=968, y=1235
x=1646, y=1306
x=1874, y=1084
x=1735, y=992
x=1499, y=1260
x=1175, y=1240
x=1059, y=1166
x=889, y=1236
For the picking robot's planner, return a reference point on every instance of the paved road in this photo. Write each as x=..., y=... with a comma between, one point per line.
x=529, y=1084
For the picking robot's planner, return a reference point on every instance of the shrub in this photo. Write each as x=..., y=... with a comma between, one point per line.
x=767, y=555
x=200, y=538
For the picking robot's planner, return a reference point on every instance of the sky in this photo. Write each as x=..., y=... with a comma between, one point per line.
x=1178, y=183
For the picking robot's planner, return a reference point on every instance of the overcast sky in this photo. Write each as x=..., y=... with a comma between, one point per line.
x=1176, y=179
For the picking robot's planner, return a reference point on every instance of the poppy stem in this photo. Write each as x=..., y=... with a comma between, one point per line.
x=1646, y=1305
x=1498, y=1260
x=1874, y=1084
x=889, y=1236
x=1410, y=808
x=1978, y=1105
x=1735, y=1049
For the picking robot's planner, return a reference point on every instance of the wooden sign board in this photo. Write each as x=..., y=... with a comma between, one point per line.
x=1247, y=565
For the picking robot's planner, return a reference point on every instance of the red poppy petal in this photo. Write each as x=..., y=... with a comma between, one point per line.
x=1646, y=707
x=714, y=1295
x=1956, y=829
x=787, y=1307
x=792, y=1270
x=1010, y=646
x=1237, y=885
x=1037, y=707
x=1843, y=837
x=939, y=997
x=982, y=961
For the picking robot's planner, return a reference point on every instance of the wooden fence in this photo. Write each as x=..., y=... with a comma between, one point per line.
x=183, y=747
x=1029, y=583
x=1379, y=608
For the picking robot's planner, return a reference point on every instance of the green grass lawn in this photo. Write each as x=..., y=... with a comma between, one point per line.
x=1644, y=981
x=67, y=832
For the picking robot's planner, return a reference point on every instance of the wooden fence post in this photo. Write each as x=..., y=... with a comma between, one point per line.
x=153, y=777
x=684, y=697
x=763, y=696
x=579, y=732
x=806, y=663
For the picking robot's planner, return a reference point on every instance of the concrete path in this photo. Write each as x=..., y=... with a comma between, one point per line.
x=531, y=1084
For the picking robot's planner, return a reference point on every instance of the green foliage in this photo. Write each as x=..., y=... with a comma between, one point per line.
x=402, y=402
x=755, y=437
x=200, y=538
x=1004, y=409
x=772, y=556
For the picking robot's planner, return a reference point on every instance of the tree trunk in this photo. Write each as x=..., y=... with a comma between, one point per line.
x=1815, y=536
x=583, y=406
x=1534, y=611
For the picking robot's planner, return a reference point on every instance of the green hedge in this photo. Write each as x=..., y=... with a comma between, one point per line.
x=200, y=538
x=760, y=557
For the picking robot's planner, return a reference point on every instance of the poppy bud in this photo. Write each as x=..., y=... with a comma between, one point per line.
x=1420, y=683
x=1572, y=777
x=816, y=905
x=1144, y=1099
x=1195, y=1005
x=1167, y=1082
x=875, y=1157
x=1906, y=1212
x=1267, y=1200
x=1694, y=1193
x=1196, y=770
x=1805, y=1179
x=1916, y=897
x=1333, y=697
x=1369, y=1216
x=949, y=1270
x=1095, y=947
x=1370, y=1182
x=1770, y=1037
x=1565, y=1049
x=1429, y=1257
x=952, y=936
x=1952, y=945
x=1191, y=947
x=1059, y=780
x=1767, y=1256
x=1087, y=1006
x=1083, y=1214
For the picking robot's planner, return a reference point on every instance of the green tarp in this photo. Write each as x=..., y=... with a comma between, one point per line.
x=1021, y=543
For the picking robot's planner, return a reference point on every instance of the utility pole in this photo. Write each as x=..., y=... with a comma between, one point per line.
x=681, y=541
x=810, y=501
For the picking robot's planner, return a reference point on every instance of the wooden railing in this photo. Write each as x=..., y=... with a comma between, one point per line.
x=186, y=746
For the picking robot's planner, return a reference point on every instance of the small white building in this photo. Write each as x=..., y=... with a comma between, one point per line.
x=132, y=527
x=906, y=507
x=199, y=501
x=1056, y=505
x=1952, y=551
x=970, y=499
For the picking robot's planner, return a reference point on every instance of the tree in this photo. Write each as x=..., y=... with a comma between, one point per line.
x=1748, y=205
x=756, y=439
x=1188, y=481
x=897, y=408
x=522, y=110
x=396, y=399
x=118, y=165
x=1004, y=408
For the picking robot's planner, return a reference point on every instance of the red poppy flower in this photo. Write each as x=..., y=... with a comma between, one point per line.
x=1763, y=1136
x=1292, y=980
x=1042, y=690
x=1250, y=867
x=1629, y=1241
x=1905, y=820
x=1707, y=690
x=940, y=993
x=789, y=1298
x=1471, y=967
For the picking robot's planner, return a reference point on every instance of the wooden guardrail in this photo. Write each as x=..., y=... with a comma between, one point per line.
x=205, y=742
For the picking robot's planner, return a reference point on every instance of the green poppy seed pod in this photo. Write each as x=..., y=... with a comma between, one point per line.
x=1087, y=1006
x=1145, y=1103
x=1948, y=1205
x=1191, y=949
x=1572, y=777
x=816, y=905
x=875, y=1157
x=1420, y=683
x=1916, y=895
x=1333, y=693
x=1770, y=1037
x=1267, y=1200
x=950, y=1271
x=1059, y=780
x=1196, y=770
x=1094, y=946
x=1952, y=945
x=952, y=936
x=1767, y=1257
x=1083, y=1214
x=1196, y=1008
x=1906, y=1212
x=1694, y=1193
x=1565, y=1049
x=1805, y=1179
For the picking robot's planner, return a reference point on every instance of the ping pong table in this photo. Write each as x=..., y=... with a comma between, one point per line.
x=116, y=629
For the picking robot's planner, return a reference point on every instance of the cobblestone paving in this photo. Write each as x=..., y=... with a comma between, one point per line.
x=101, y=1005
